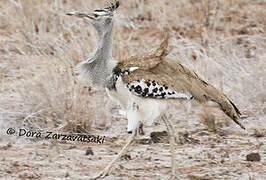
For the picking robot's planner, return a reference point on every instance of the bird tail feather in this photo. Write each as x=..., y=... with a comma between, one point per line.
x=226, y=105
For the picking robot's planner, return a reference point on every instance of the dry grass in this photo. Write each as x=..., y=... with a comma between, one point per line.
x=259, y=132
x=39, y=45
x=208, y=119
x=223, y=41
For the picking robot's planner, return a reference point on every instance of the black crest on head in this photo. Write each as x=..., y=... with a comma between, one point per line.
x=113, y=6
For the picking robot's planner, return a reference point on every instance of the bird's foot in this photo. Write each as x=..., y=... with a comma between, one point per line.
x=140, y=130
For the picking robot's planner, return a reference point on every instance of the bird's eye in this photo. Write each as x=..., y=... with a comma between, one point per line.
x=96, y=15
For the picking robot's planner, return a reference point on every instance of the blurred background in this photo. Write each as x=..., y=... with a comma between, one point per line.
x=223, y=41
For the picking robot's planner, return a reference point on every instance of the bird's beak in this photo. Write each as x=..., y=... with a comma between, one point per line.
x=82, y=15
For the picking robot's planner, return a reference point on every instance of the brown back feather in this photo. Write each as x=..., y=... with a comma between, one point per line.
x=181, y=79
x=149, y=60
x=154, y=67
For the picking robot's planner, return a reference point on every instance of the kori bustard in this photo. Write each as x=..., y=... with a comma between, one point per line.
x=145, y=85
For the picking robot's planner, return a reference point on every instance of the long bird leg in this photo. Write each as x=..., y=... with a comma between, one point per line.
x=171, y=135
x=106, y=170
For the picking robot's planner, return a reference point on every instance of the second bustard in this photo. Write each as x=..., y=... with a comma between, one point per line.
x=145, y=86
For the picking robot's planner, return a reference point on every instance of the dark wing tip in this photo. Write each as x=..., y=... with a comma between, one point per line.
x=238, y=113
x=236, y=109
x=237, y=122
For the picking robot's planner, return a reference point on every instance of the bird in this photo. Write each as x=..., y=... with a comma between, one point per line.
x=146, y=85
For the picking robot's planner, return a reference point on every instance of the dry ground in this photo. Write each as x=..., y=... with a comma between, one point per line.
x=223, y=41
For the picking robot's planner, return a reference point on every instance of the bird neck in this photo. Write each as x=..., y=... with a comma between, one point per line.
x=104, y=47
x=103, y=63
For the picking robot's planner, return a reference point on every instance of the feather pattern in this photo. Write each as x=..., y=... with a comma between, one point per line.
x=148, y=60
x=154, y=67
x=151, y=89
x=180, y=79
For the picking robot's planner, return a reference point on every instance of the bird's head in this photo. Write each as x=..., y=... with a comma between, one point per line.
x=101, y=19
